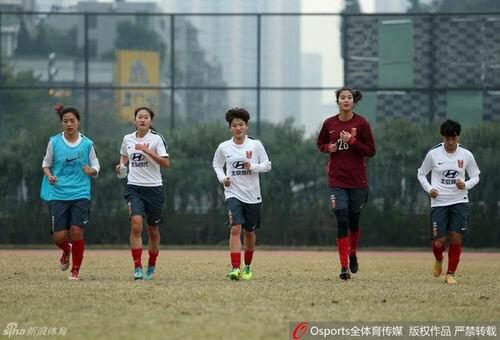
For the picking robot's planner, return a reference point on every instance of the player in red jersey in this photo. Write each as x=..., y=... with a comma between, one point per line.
x=348, y=140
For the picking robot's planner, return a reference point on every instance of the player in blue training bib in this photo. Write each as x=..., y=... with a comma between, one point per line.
x=69, y=163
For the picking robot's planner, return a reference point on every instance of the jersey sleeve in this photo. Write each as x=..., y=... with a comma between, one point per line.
x=49, y=156
x=161, y=147
x=218, y=164
x=422, y=172
x=323, y=141
x=364, y=144
x=473, y=172
x=94, y=161
x=123, y=148
x=264, y=164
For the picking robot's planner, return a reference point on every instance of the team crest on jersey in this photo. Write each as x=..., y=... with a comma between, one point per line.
x=354, y=131
x=460, y=163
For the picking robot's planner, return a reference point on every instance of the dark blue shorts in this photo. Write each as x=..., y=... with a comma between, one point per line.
x=64, y=214
x=145, y=201
x=350, y=199
x=449, y=218
x=246, y=214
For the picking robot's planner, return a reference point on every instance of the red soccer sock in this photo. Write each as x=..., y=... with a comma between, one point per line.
x=353, y=241
x=248, y=257
x=77, y=254
x=236, y=259
x=64, y=246
x=136, y=256
x=152, y=258
x=438, y=251
x=343, y=248
x=453, y=257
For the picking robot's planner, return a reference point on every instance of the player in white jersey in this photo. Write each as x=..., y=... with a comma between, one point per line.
x=237, y=163
x=448, y=162
x=145, y=151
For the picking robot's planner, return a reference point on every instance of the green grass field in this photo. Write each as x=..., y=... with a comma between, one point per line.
x=191, y=298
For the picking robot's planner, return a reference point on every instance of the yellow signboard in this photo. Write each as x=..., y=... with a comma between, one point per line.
x=137, y=69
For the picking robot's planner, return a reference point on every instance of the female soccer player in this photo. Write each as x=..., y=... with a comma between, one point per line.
x=146, y=151
x=448, y=162
x=69, y=162
x=348, y=140
x=243, y=158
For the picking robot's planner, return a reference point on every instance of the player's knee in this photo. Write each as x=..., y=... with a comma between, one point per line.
x=456, y=239
x=342, y=222
x=76, y=233
x=236, y=230
x=354, y=221
x=136, y=229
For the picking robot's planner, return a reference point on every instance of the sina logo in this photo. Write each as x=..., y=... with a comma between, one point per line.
x=300, y=330
x=137, y=157
x=450, y=173
x=239, y=165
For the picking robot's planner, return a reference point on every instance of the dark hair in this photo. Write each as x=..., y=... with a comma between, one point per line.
x=61, y=110
x=237, y=112
x=450, y=128
x=151, y=112
x=356, y=94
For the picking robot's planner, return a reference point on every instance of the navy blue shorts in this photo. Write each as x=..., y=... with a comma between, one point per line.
x=449, y=218
x=64, y=214
x=351, y=199
x=145, y=201
x=246, y=214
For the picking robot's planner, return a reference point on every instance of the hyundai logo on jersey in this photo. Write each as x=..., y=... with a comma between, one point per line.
x=239, y=165
x=450, y=173
x=137, y=157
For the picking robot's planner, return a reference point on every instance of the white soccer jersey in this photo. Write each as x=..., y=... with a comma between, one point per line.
x=446, y=169
x=245, y=184
x=143, y=170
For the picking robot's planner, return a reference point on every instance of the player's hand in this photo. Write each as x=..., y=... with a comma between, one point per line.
x=460, y=184
x=332, y=147
x=143, y=147
x=88, y=170
x=247, y=165
x=345, y=136
x=226, y=182
x=52, y=179
x=117, y=168
x=433, y=193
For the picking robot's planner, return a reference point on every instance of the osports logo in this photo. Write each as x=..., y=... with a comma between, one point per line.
x=300, y=330
x=137, y=157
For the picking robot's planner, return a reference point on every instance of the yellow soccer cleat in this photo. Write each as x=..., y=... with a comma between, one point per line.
x=246, y=274
x=235, y=274
x=450, y=279
x=438, y=268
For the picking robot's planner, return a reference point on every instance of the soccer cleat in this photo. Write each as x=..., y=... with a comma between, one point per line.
x=344, y=274
x=438, y=268
x=73, y=276
x=138, y=273
x=450, y=279
x=246, y=274
x=353, y=263
x=148, y=276
x=235, y=274
x=64, y=260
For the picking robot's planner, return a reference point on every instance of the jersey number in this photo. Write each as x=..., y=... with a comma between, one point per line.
x=342, y=144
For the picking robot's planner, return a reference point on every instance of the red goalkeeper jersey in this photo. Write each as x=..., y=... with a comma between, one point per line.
x=346, y=166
